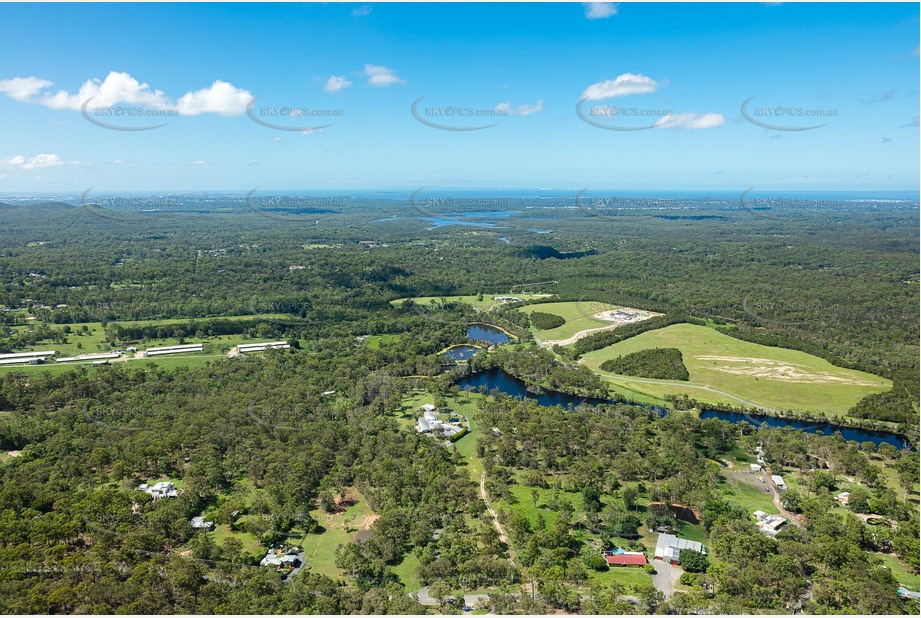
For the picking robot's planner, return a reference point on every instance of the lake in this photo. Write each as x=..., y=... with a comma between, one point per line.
x=510, y=385
x=849, y=433
x=460, y=352
x=485, y=332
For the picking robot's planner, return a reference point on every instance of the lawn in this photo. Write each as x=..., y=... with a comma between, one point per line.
x=630, y=578
x=900, y=572
x=728, y=370
x=578, y=316
x=741, y=487
x=340, y=529
x=375, y=341
x=407, y=571
x=486, y=303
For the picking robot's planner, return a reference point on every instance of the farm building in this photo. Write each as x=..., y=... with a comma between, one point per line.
x=88, y=357
x=778, y=481
x=175, y=349
x=668, y=547
x=755, y=468
x=27, y=355
x=625, y=558
x=245, y=348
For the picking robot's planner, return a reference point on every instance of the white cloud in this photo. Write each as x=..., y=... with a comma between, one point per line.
x=335, y=83
x=688, y=120
x=32, y=163
x=622, y=85
x=520, y=110
x=381, y=76
x=362, y=11
x=198, y=162
x=600, y=10
x=22, y=88
x=220, y=98
x=115, y=88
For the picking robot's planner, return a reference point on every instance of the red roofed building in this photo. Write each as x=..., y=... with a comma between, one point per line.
x=628, y=559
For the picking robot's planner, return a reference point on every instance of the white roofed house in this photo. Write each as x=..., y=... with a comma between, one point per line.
x=669, y=547
x=157, y=491
x=199, y=523
x=778, y=481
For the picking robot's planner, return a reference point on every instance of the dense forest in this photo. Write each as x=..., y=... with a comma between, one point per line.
x=269, y=445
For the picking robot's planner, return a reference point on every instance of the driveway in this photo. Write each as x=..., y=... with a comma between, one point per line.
x=666, y=577
x=470, y=600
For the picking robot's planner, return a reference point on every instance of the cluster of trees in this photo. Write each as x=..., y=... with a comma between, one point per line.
x=539, y=369
x=658, y=363
x=546, y=321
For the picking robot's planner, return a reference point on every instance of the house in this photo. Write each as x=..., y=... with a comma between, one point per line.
x=163, y=489
x=422, y=425
x=280, y=559
x=778, y=481
x=625, y=558
x=844, y=497
x=668, y=547
x=769, y=524
x=755, y=468
x=199, y=523
x=906, y=594
x=507, y=299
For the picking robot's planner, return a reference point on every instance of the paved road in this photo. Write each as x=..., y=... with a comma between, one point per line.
x=665, y=577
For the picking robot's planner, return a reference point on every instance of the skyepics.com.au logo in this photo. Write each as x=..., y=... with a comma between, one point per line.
x=294, y=118
x=622, y=118
x=126, y=208
x=621, y=208
x=434, y=206
x=457, y=118
x=786, y=117
x=293, y=208
x=124, y=117
x=780, y=310
x=782, y=206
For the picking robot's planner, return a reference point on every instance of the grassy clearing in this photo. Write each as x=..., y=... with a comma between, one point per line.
x=630, y=578
x=407, y=571
x=375, y=341
x=487, y=302
x=742, y=488
x=578, y=316
x=765, y=376
x=340, y=529
x=906, y=578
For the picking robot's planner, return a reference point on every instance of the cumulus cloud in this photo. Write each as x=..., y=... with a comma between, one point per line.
x=600, y=10
x=118, y=87
x=335, y=83
x=622, y=85
x=39, y=161
x=22, y=88
x=520, y=110
x=688, y=120
x=220, y=98
x=362, y=10
x=381, y=76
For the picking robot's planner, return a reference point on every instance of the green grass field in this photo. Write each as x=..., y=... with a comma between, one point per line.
x=630, y=578
x=578, y=316
x=744, y=372
x=340, y=529
x=488, y=301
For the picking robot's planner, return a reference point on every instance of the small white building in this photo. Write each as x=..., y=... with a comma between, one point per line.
x=769, y=525
x=844, y=497
x=755, y=468
x=778, y=481
x=163, y=489
x=199, y=523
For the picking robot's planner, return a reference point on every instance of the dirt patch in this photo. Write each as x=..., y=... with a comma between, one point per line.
x=784, y=371
x=14, y=453
x=617, y=317
x=368, y=521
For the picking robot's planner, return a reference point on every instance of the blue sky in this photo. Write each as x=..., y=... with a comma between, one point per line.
x=682, y=69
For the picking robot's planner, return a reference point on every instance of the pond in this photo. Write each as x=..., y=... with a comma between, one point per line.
x=827, y=429
x=485, y=332
x=510, y=385
x=461, y=352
